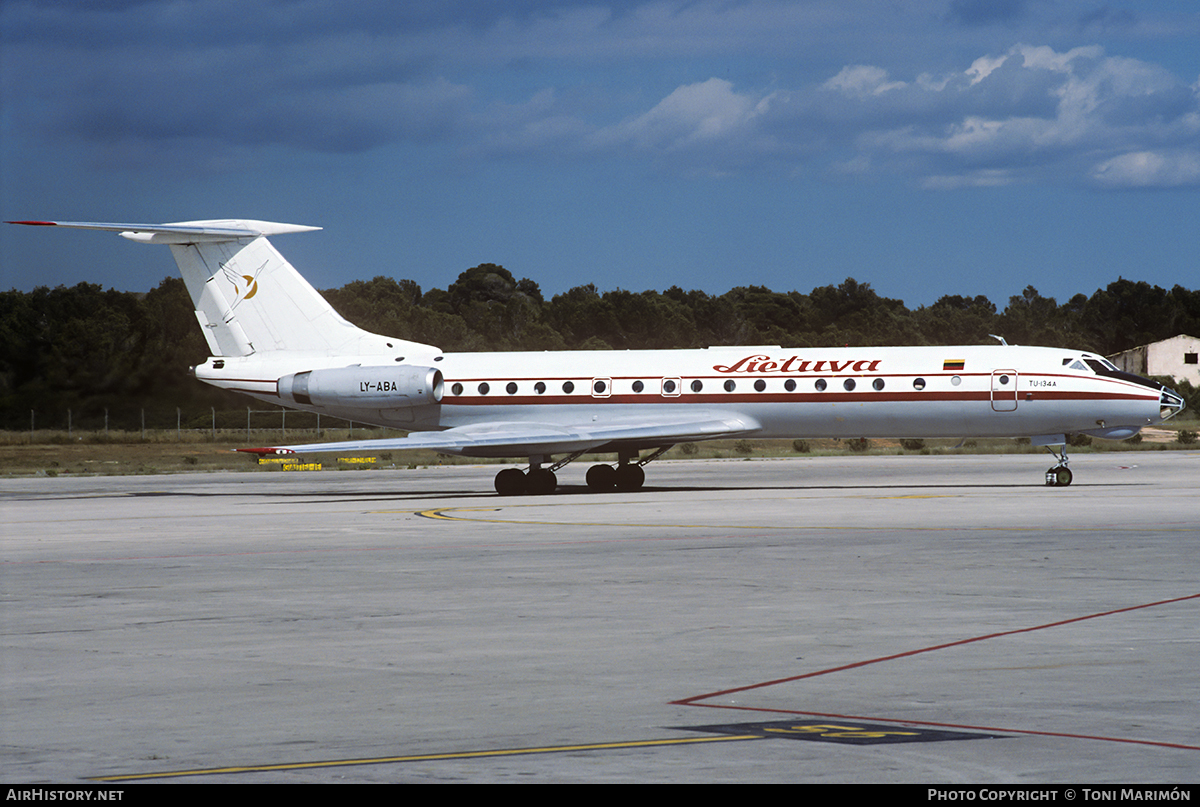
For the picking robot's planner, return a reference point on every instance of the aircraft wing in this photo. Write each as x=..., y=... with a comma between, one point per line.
x=520, y=438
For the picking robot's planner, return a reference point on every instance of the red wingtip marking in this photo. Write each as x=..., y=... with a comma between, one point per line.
x=265, y=450
x=35, y=223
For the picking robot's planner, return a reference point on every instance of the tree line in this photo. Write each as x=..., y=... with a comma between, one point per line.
x=86, y=348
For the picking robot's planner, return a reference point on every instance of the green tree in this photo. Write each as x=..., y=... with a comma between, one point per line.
x=958, y=320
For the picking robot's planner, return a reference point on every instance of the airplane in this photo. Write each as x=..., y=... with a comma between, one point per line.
x=273, y=337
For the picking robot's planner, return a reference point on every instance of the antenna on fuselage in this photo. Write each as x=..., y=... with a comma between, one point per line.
x=999, y=339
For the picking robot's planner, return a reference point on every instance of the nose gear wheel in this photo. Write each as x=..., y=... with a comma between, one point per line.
x=1059, y=476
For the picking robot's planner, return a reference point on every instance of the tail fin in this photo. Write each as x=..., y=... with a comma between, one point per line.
x=247, y=297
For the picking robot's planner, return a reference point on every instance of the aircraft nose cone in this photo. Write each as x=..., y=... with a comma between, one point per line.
x=1170, y=403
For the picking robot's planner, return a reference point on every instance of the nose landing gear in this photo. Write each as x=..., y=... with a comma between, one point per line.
x=1060, y=475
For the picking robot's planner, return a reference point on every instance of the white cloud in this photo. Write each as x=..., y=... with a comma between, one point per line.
x=982, y=67
x=989, y=178
x=1043, y=57
x=1149, y=169
x=1030, y=112
x=694, y=114
x=862, y=80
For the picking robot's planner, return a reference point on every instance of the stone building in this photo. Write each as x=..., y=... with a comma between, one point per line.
x=1176, y=357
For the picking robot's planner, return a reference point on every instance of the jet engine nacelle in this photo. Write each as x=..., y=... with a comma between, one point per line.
x=358, y=387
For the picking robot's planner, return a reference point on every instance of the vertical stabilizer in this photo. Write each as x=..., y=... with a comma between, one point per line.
x=247, y=297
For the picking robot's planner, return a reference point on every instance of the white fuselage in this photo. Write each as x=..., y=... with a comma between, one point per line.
x=985, y=391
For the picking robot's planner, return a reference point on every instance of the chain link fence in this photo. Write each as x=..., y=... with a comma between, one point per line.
x=188, y=424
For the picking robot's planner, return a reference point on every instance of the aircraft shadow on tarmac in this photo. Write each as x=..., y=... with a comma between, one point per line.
x=308, y=496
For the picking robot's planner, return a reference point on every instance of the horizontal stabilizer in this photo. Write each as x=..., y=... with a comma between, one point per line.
x=183, y=232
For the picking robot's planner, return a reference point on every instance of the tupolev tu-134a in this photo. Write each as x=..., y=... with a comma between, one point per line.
x=273, y=337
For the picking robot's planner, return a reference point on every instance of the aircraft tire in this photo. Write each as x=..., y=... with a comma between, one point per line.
x=540, y=482
x=602, y=477
x=629, y=477
x=1062, y=477
x=510, y=482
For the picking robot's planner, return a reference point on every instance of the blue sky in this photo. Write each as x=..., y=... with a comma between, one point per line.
x=925, y=148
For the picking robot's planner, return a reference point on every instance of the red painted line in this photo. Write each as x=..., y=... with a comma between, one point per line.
x=695, y=700
x=934, y=724
x=907, y=653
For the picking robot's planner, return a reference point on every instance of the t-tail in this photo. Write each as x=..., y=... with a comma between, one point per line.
x=248, y=298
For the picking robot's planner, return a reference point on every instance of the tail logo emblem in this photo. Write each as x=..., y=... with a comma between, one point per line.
x=237, y=281
x=251, y=289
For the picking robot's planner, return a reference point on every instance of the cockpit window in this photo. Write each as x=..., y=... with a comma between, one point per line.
x=1100, y=365
x=1077, y=365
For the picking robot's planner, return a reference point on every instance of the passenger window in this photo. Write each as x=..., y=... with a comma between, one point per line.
x=877, y=384
x=760, y=385
x=918, y=383
x=789, y=385
x=697, y=385
x=511, y=389
x=539, y=387
x=730, y=386
x=483, y=388
x=638, y=386
x=848, y=384
x=456, y=388
x=820, y=385
x=568, y=387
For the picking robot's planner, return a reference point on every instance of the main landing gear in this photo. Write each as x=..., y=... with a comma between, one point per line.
x=539, y=481
x=627, y=475
x=622, y=477
x=1059, y=476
